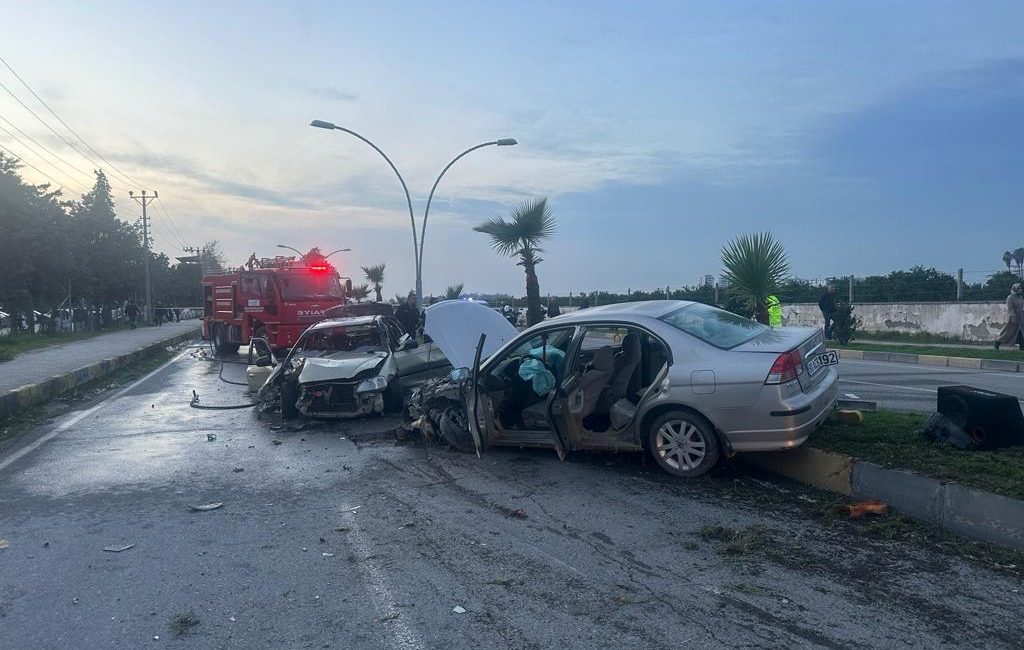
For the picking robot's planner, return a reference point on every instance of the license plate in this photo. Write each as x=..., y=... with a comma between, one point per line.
x=818, y=361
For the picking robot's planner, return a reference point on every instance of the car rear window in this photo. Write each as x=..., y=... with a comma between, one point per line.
x=712, y=325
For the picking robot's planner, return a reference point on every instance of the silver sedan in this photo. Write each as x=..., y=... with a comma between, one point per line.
x=686, y=381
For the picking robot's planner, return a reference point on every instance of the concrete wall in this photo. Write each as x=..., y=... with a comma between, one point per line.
x=970, y=321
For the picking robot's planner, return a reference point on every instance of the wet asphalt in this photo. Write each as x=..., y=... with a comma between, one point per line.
x=326, y=541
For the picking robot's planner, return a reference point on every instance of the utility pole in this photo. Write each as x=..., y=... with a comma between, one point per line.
x=959, y=284
x=145, y=200
x=851, y=291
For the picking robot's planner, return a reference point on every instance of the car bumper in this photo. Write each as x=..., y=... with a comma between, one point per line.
x=789, y=422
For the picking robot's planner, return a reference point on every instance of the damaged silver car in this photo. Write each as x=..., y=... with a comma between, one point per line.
x=687, y=382
x=347, y=367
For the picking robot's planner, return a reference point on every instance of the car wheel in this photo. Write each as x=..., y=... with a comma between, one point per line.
x=289, y=395
x=683, y=444
x=454, y=429
x=394, y=398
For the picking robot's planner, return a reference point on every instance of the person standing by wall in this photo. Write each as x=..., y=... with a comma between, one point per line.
x=774, y=308
x=1012, y=332
x=827, y=305
x=132, y=312
x=553, y=309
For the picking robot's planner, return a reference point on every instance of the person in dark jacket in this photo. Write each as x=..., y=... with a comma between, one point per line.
x=132, y=312
x=553, y=309
x=408, y=314
x=827, y=305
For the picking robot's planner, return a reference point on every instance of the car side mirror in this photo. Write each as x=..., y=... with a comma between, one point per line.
x=264, y=361
x=459, y=374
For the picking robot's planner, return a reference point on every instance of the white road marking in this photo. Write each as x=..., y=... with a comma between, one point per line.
x=78, y=417
x=380, y=589
x=871, y=383
x=922, y=366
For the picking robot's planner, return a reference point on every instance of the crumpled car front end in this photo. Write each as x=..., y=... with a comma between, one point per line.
x=341, y=400
x=438, y=411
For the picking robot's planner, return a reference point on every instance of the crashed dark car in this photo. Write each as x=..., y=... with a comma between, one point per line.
x=347, y=367
x=687, y=382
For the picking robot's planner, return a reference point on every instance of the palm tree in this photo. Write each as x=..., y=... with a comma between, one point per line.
x=375, y=275
x=453, y=292
x=1008, y=260
x=360, y=291
x=755, y=265
x=1018, y=257
x=531, y=223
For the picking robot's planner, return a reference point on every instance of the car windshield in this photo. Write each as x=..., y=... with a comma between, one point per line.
x=349, y=338
x=310, y=286
x=716, y=326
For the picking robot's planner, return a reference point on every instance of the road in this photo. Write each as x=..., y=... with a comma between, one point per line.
x=323, y=542
x=911, y=387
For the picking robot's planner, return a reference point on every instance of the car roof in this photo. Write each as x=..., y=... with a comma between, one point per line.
x=351, y=320
x=625, y=310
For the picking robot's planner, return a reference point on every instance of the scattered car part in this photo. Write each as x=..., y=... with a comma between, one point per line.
x=118, y=549
x=208, y=506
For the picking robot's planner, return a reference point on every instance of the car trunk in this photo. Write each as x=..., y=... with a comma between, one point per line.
x=808, y=341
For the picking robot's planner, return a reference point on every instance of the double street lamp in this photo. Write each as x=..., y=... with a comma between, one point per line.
x=301, y=254
x=417, y=241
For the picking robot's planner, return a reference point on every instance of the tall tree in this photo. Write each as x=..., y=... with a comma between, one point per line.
x=375, y=276
x=1018, y=257
x=1008, y=259
x=531, y=223
x=754, y=265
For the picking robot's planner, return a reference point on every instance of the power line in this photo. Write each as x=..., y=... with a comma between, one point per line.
x=19, y=159
x=41, y=146
x=170, y=222
x=110, y=165
x=29, y=147
x=47, y=125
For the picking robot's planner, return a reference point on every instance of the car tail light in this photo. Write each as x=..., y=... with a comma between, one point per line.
x=787, y=367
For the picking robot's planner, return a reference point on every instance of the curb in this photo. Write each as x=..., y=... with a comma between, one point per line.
x=31, y=394
x=933, y=360
x=988, y=517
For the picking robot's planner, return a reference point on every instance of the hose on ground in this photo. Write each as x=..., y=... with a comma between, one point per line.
x=216, y=407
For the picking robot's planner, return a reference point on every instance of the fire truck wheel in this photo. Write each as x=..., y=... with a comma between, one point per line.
x=220, y=342
x=289, y=395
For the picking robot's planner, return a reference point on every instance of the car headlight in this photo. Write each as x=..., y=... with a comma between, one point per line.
x=372, y=385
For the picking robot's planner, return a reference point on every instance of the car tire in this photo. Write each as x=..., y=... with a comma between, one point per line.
x=683, y=443
x=394, y=398
x=289, y=395
x=454, y=429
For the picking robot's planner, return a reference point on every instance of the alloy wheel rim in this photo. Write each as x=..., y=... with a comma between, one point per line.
x=680, y=445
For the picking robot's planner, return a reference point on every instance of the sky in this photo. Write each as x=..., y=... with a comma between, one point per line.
x=867, y=136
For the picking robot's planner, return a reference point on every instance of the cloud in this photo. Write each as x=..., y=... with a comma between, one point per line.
x=190, y=170
x=332, y=93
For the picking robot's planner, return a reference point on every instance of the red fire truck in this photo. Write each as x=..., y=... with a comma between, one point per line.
x=273, y=298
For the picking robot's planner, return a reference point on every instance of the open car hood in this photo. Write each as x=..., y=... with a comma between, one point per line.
x=338, y=367
x=456, y=326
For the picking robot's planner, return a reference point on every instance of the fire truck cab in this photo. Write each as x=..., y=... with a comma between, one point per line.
x=273, y=298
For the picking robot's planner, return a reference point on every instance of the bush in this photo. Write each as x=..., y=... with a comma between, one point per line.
x=844, y=323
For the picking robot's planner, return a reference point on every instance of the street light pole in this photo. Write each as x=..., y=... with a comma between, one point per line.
x=301, y=254
x=503, y=142
x=340, y=250
x=320, y=124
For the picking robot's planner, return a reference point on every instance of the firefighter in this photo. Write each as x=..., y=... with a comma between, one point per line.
x=774, y=308
x=408, y=314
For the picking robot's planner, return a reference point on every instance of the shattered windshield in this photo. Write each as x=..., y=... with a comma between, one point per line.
x=335, y=340
x=309, y=286
x=718, y=327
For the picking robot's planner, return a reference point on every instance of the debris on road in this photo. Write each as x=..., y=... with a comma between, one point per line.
x=118, y=549
x=342, y=529
x=863, y=508
x=351, y=509
x=325, y=554
x=182, y=624
x=4, y=543
x=458, y=609
x=238, y=469
x=210, y=437
x=208, y=506
x=275, y=441
x=518, y=513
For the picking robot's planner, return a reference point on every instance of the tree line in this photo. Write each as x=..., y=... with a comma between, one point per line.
x=59, y=253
